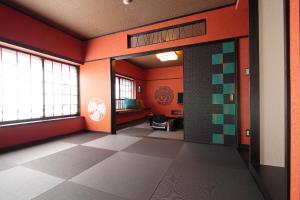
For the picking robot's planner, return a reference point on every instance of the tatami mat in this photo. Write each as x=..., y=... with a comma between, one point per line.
x=131, y=176
x=20, y=183
x=35, y=152
x=156, y=147
x=136, y=132
x=73, y=191
x=68, y=163
x=81, y=138
x=113, y=142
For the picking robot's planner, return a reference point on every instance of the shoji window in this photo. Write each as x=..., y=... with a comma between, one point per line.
x=61, y=89
x=124, y=90
x=34, y=88
x=21, y=86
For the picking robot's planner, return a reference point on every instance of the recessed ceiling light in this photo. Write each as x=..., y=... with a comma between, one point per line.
x=167, y=56
x=127, y=2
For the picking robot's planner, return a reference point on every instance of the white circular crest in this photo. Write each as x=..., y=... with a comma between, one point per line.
x=96, y=109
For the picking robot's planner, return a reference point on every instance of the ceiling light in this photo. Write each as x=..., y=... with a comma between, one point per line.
x=127, y=2
x=167, y=56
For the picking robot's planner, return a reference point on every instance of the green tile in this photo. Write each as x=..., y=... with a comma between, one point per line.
x=217, y=79
x=217, y=138
x=217, y=98
x=218, y=119
x=229, y=109
x=217, y=59
x=229, y=88
x=229, y=68
x=228, y=47
x=229, y=129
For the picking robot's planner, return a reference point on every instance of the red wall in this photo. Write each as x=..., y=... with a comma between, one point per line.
x=295, y=97
x=168, y=76
x=228, y=22
x=19, y=134
x=25, y=30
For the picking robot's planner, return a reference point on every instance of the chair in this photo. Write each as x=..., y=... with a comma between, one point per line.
x=159, y=122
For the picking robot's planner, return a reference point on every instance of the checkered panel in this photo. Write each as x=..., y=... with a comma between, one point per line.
x=224, y=95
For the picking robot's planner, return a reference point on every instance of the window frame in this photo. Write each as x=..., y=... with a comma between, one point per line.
x=44, y=118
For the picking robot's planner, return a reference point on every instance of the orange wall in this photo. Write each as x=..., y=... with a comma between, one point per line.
x=168, y=76
x=19, y=134
x=222, y=23
x=244, y=90
x=26, y=30
x=95, y=84
x=295, y=96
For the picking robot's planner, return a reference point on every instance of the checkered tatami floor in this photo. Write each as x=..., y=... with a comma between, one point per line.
x=90, y=166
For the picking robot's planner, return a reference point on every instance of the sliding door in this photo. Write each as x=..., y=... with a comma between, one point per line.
x=210, y=93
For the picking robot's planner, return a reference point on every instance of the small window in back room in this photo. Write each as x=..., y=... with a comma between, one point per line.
x=124, y=90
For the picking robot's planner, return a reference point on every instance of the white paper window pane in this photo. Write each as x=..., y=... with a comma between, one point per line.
x=24, y=86
x=48, y=88
x=37, y=76
x=37, y=88
x=66, y=110
x=23, y=60
x=74, y=90
x=65, y=79
x=48, y=65
x=66, y=99
x=74, y=100
x=9, y=56
x=49, y=111
x=24, y=112
x=9, y=85
x=9, y=70
x=10, y=114
x=66, y=89
x=24, y=100
x=65, y=69
x=57, y=78
x=73, y=71
x=74, y=109
x=57, y=99
x=37, y=100
x=49, y=100
x=37, y=112
x=57, y=89
x=57, y=110
x=56, y=67
x=73, y=80
x=48, y=77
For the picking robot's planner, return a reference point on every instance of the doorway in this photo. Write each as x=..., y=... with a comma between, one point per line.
x=148, y=92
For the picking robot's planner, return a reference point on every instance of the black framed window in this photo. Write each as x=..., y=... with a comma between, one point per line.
x=61, y=91
x=124, y=88
x=25, y=84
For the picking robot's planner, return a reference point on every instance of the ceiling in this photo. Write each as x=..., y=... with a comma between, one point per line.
x=151, y=61
x=91, y=18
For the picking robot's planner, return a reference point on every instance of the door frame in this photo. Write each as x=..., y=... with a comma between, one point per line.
x=254, y=163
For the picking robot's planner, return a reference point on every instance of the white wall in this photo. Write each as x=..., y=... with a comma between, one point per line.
x=271, y=47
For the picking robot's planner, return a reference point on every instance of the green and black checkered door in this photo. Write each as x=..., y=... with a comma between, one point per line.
x=210, y=93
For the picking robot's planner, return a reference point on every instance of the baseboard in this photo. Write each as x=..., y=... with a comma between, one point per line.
x=100, y=132
x=36, y=142
x=244, y=146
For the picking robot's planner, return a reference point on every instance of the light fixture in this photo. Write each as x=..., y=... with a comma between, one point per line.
x=127, y=2
x=167, y=56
